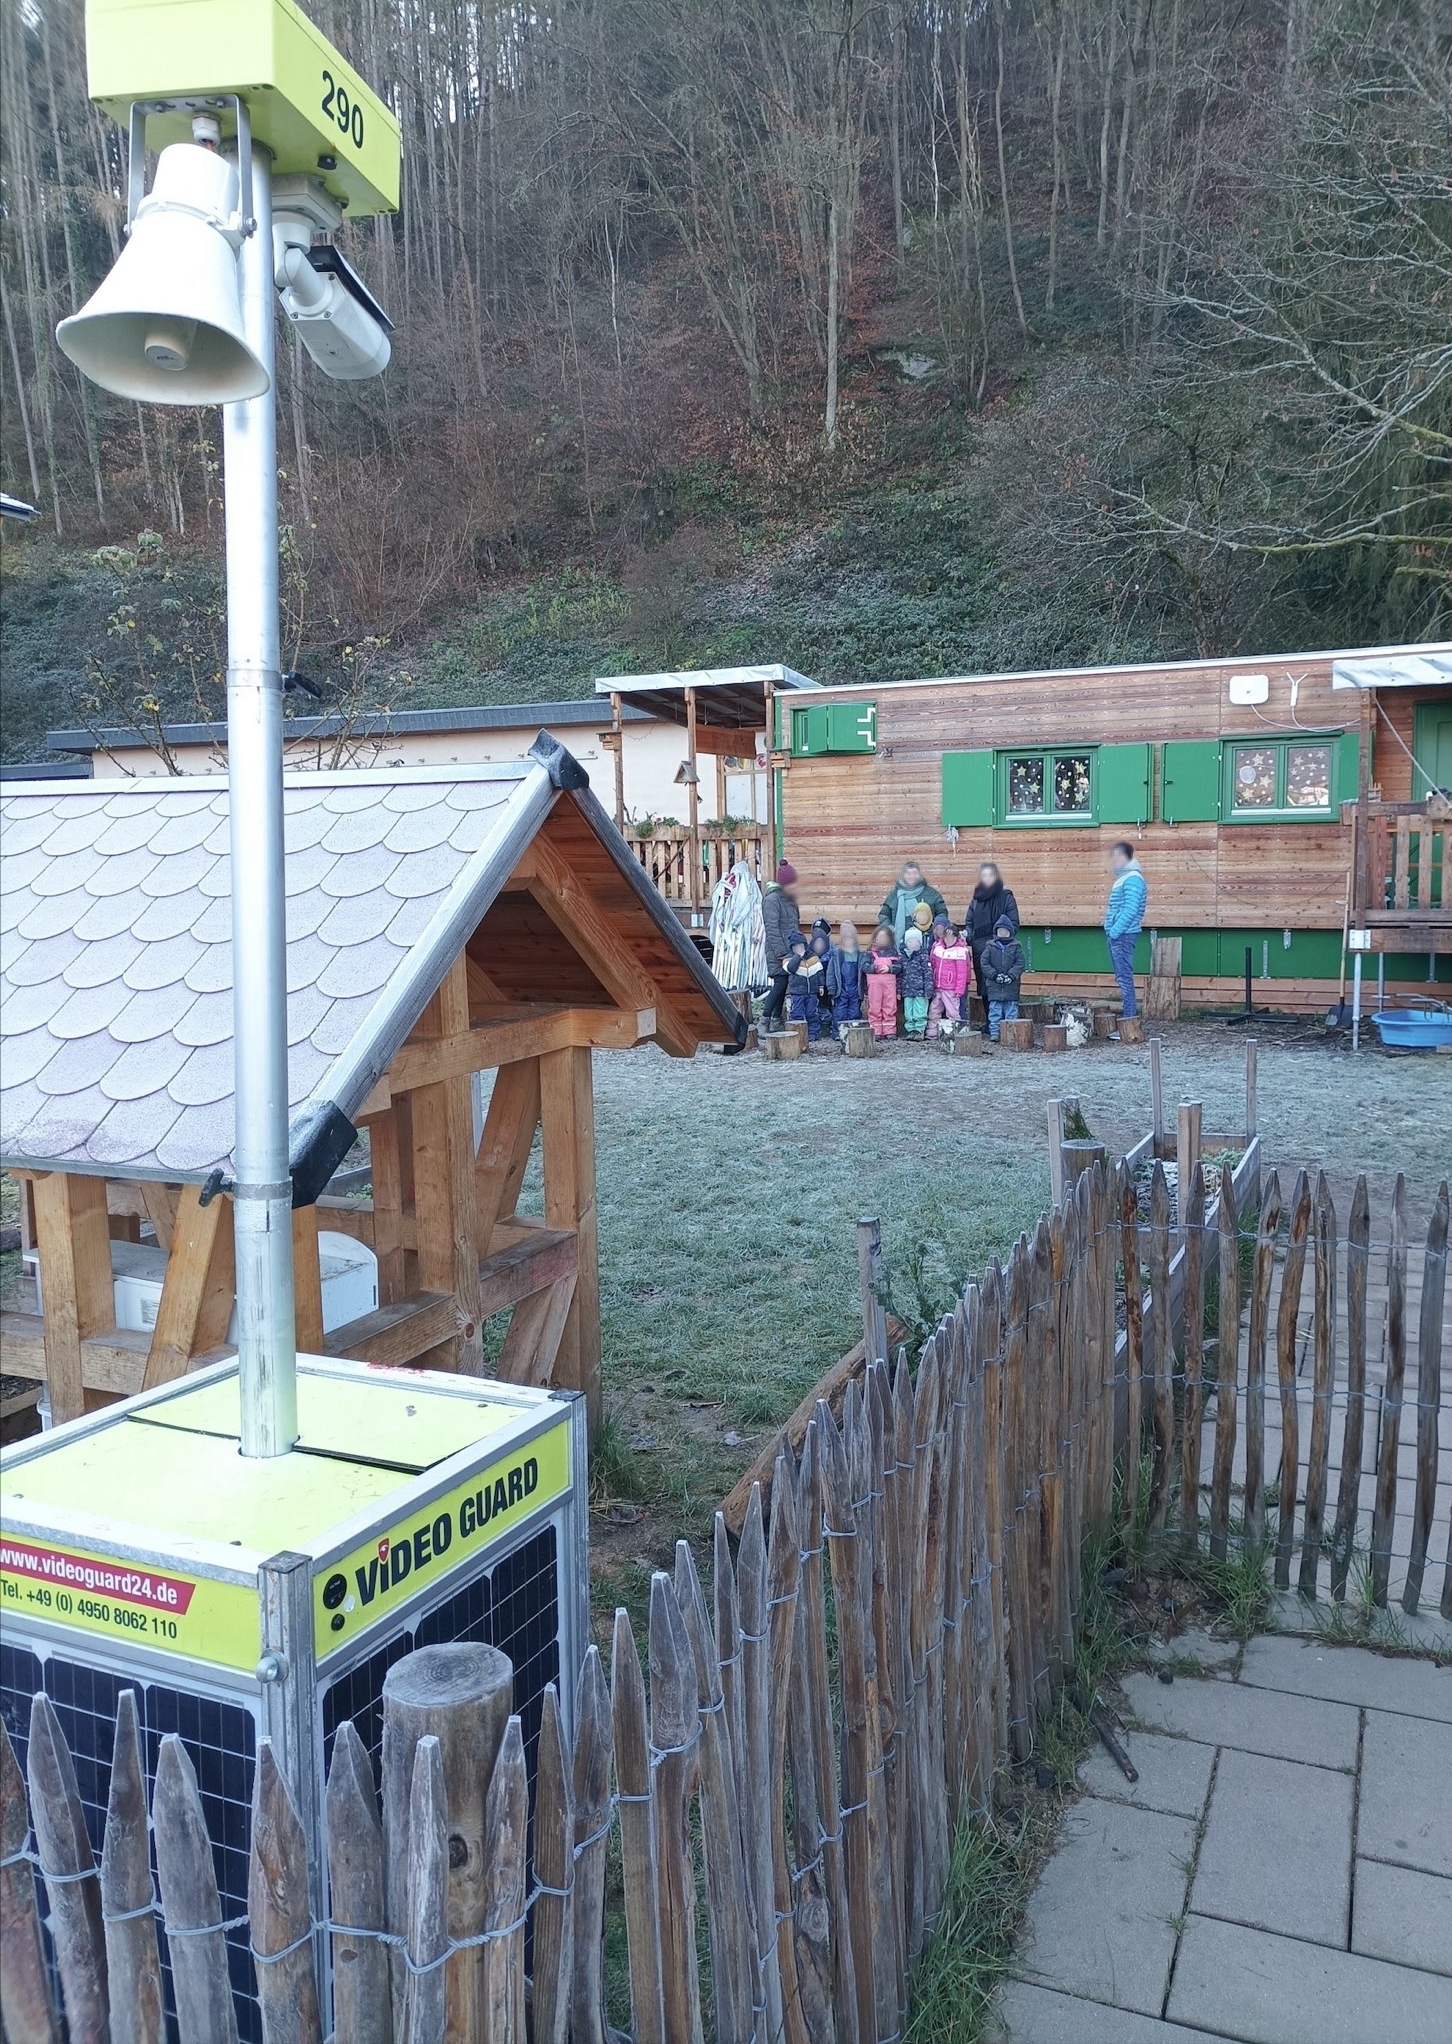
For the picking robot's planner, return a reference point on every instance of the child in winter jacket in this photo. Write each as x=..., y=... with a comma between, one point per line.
x=917, y=982
x=952, y=964
x=884, y=969
x=806, y=985
x=851, y=967
x=1003, y=969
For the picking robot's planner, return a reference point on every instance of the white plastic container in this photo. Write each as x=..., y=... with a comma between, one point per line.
x=349, y=1272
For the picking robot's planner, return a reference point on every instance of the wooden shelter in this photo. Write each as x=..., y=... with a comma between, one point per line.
x=441, y=923
x=722, y=711
x=1277, y=804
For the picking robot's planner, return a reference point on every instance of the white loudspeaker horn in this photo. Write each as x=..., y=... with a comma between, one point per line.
x=165, y=327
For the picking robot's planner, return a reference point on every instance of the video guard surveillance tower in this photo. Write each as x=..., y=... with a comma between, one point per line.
x=250, y=1548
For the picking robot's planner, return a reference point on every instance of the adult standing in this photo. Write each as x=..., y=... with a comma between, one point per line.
x=910, y=892
x=781, y=922
x=1124, y=917
x=990, y=901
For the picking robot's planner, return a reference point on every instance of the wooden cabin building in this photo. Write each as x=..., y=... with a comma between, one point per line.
x=1275, y=803
x=443, y=922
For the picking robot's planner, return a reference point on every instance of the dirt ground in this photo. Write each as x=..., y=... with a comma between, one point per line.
x=729, y=1190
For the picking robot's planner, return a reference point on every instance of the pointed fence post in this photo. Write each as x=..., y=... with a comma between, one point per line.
x=133, y=1962
x=64, y=1849
x=871, y=1277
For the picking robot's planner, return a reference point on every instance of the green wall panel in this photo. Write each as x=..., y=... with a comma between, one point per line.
x=967, y=788
x=1122, y=794
x=1191, y=771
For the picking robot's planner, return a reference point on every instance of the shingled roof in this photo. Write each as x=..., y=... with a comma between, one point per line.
x=116, y=964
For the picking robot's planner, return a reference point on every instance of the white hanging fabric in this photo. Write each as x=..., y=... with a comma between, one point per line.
x=737, y=933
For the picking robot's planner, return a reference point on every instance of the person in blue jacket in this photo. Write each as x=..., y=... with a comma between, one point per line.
x=1124, y=917
x=851, y=977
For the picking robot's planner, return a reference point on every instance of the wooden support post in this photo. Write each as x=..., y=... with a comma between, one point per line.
x=387, y=1167
x=536, y=1328
x=1187, y=1157
x=307, y=1282
x=693, y=793
x=1157, y=1096
x=199, y=1289
x=870, y=1277
x=773, y=851
x=73, y=1237
x=567, y=1116
x=1251, y=1109
x=504, y=1147
x=160, y=1202
x=443, y=1178
x=1059, y=1113
x=618, y=729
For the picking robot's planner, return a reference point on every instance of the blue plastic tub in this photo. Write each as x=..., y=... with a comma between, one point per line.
x=1414, y=1028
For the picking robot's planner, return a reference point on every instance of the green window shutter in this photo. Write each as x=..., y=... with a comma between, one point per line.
x=1123, y=793
x=967, y=787
x=1346, y=780
x=810, y=731
x=852, y=727
x=1192, y=780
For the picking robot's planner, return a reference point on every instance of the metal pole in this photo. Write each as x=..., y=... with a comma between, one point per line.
x=262, y=1197
x=693, y=791
x=1356, y=1000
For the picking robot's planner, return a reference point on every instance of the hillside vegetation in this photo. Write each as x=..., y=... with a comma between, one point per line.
x=908, y=339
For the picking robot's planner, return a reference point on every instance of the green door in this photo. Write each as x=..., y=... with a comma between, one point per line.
x=1432, y=749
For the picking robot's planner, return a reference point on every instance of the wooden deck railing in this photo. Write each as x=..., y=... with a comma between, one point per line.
x=1406, y=866
x=667, y=858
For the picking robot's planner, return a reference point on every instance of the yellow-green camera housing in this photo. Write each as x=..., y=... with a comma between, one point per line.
x=306, y=103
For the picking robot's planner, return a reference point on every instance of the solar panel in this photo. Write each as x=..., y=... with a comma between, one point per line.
x=514, y=1604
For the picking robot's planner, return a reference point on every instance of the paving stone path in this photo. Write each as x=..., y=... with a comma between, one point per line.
x=1281, y=1872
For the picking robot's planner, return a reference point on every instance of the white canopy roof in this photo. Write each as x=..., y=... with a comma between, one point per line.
x=1429, y=668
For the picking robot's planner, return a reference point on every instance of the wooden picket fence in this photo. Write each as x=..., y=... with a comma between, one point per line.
x=769, y=1801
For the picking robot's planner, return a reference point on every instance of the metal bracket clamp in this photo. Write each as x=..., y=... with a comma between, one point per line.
x=197, y=103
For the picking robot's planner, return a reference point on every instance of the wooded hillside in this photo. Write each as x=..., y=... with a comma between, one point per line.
x=882, y=339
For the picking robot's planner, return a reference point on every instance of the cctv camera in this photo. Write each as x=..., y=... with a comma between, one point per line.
x=326, y=304
x=339, y=322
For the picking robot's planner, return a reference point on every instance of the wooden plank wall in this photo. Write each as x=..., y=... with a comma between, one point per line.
x=851, y=820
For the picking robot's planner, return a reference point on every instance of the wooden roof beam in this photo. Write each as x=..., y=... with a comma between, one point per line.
x=503, y=1038
x=575, y=910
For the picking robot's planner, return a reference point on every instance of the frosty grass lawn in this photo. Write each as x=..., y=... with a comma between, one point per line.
x=729, y=1190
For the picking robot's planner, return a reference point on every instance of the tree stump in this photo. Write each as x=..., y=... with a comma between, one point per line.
x=780, y=1046
x=975, y=1012
x=858, y=1039
x=1104, y=1021
x=1016, y=1035
x=966, y=1043
x=1131, y=1029
x=1055, y=1036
